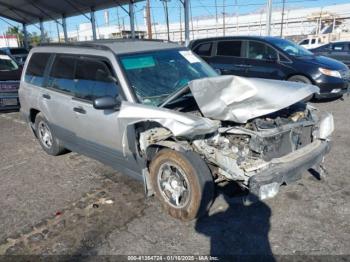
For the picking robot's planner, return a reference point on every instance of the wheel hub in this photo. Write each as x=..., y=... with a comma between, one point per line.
x=173, y=185
x=45, y=134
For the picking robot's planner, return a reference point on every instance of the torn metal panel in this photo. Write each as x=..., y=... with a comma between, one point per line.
x=238, y=99
x=179, y=124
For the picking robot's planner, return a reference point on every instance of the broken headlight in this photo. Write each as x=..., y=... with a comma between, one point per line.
x=326, y=126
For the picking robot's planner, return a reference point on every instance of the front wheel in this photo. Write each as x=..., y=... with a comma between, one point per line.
x=300, y=79
x=183, y=183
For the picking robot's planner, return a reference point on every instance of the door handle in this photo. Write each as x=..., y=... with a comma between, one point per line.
x=79, y=110
x=46, y=96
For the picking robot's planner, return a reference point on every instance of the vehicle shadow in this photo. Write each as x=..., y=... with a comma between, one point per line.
x=237, y=231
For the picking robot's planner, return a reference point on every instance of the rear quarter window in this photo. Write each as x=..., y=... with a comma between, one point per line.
x=36, y=68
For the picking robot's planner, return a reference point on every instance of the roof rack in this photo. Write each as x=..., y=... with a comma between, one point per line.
x=100, y=43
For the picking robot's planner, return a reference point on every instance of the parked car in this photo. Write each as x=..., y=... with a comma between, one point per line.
x=274, y=58
x=310, y=42
x=157, y=112
x=336, y=50
x=10, y=74
x=19, y=53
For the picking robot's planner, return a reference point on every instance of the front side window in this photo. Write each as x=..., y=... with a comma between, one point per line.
x=155, y=75
x=338, y=47
x=36, y=68
x=261, y=51
x=204, y=49
x=83, y=77
x=94, y=79
x=229, y=48
x=289, y=47
x=7, y=63
x=304, y=42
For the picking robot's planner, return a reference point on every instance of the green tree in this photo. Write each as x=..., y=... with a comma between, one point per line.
x=15, y=31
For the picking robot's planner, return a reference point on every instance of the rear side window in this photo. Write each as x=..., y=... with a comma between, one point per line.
x=62, y=73
x=36, y=69
x=229, y=48
x=204, y=49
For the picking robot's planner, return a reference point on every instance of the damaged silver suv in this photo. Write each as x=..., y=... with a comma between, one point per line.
x=157, y=112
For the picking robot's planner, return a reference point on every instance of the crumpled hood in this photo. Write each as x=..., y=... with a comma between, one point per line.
x=238, y=99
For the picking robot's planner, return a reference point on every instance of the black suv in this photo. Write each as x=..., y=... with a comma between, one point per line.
x=274, y=58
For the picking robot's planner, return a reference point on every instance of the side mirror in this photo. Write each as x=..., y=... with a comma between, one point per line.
x=107, y=103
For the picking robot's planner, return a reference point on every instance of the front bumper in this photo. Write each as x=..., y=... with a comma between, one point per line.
x=287, y=169
x=332, y=87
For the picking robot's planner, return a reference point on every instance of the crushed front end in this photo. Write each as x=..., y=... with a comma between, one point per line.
x=268, y=151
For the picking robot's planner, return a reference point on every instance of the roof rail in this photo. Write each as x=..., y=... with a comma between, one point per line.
x=80, y=44
x=99, y=43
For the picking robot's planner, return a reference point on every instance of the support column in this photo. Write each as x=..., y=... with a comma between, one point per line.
x=42, y=32
x=64, y=26
x=187, y=21
x=25, y=36
x=132, y=19
x=93, y=24
x=268, y=17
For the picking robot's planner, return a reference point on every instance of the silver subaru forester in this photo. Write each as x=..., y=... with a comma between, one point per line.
x=157, y=112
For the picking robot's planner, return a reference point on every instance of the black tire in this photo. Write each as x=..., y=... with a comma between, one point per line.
x=55, y=147
x=300, y=79
x=200, y=185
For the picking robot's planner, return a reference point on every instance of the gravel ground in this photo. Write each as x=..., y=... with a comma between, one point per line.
x=74, y=205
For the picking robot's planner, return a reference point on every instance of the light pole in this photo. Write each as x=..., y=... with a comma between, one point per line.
x=282, y=17
x=165, y=5
x=268, y=17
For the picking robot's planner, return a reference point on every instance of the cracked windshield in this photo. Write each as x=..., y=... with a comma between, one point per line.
x=155, y=75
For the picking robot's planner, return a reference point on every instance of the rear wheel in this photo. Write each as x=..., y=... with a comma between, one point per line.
x=183, y=183
x=47, y=140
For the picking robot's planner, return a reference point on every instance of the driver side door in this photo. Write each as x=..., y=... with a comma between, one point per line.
x=263, y=61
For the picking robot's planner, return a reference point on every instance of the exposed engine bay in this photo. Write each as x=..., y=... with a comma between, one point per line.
x=238, y=151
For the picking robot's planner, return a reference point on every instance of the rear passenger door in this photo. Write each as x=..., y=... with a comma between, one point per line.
x=229, y=58
x=58, y=97
x=263, y=61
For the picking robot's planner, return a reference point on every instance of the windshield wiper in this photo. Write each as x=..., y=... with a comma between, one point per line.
x=175, y=95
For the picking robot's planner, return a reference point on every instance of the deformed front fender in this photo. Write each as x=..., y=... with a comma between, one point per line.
x=179, y=124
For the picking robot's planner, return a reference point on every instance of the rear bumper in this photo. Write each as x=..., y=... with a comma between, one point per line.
x=4, y=96
x=287, y=169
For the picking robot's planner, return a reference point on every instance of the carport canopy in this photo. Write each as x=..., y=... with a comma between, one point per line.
x=30, y=12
